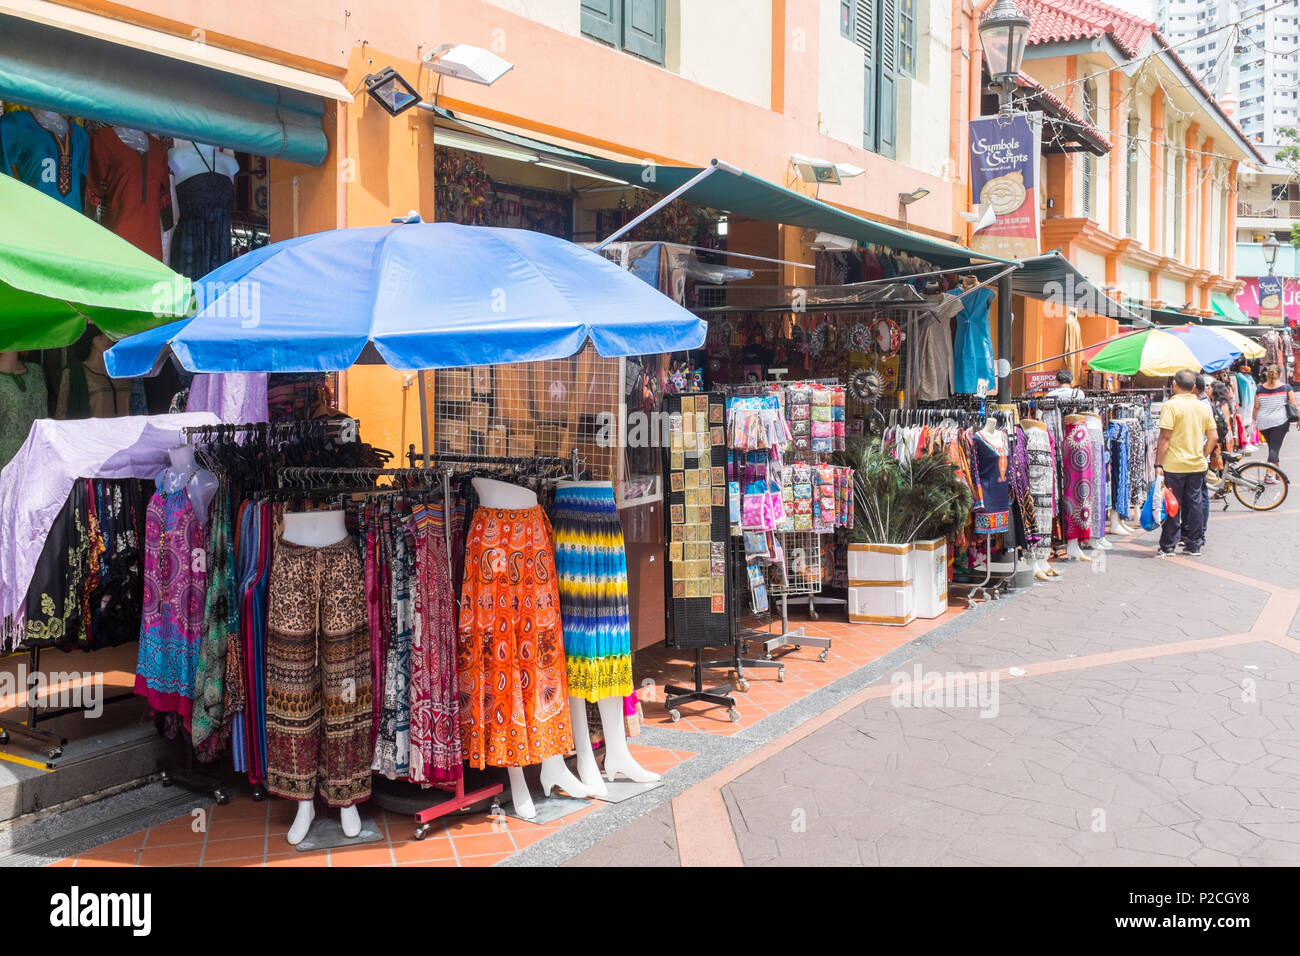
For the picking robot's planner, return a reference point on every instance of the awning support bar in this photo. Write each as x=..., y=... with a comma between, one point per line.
x=703, y=174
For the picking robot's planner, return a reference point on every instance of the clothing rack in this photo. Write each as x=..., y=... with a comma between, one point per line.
x=576, y=461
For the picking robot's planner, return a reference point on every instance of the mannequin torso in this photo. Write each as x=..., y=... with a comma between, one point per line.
x=502, y=494
x=314, y=529
x=185, y=474
x=187, y=159
x=137, y=139
x=52, y=121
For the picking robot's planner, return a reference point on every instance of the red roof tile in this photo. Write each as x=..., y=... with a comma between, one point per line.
x=1057, y=20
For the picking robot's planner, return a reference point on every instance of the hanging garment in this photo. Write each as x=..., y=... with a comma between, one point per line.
x=201, y=241
x=317, y=675
x=1137, y=467
x=23, y=400
x=1042, y=484
x=1023, y=510
x=1101, y=473
x=973, y=352
x=934, y=351
x=992, y=475
x=210, y=671
x=54, y=165
x=1073, y=346
x=130, y=189
x=393, y=744
x=591, y=564
x=1118, y=443
x=1080, y=493
x=174, y=587
x=436, y=754
x=54, y=595
x=87, y=391
x=514, y=688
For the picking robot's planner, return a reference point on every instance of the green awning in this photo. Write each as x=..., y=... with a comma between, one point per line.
x=745, y=195
x=51, y=68
x=1053, y=278
x=1228, y=309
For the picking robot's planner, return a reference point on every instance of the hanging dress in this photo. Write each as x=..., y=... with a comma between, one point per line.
x=175, y=583
x=992, y=475
x=514, y=690
x=201, y=241
x=1080, y=493
x=1042, y=484
x=973, y=351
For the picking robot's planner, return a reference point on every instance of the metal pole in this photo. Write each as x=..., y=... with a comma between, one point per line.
x=1004, y=336
x=703, y=174
x=424, y=419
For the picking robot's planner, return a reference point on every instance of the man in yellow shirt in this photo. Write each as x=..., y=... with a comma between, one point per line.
x=1187, y=439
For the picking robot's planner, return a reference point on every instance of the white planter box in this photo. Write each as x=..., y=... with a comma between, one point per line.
x=881, y=589
x=930, y=576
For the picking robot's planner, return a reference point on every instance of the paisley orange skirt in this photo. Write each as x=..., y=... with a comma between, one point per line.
x=514, y=694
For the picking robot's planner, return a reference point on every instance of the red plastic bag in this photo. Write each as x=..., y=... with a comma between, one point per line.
x=1171, y=504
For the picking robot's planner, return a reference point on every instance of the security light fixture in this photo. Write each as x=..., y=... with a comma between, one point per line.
x=465, y=62
x=915, y=195
x=1003, y=33
x=390, y=90
x=818, y=171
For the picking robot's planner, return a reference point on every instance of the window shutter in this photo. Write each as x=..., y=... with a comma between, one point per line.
x=887, y=110
x=864, y=28
x=643, y=28
x=603, y=20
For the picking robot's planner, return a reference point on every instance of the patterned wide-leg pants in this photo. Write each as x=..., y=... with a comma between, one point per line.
x=318, y=707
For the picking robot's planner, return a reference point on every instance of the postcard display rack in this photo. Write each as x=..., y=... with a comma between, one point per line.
x=698, y=532
x=785, y=496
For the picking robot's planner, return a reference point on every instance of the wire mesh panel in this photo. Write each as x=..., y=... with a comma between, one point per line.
x=698, y=526
x=801, y=570
x=532, y=409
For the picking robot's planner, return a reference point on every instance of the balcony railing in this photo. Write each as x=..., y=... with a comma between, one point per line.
x=1281, y=209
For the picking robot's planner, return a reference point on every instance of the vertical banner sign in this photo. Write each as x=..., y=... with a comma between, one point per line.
x=1270, y=300
x=1004, y=153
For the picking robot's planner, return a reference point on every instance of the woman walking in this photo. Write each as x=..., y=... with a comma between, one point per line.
x=1271, y=401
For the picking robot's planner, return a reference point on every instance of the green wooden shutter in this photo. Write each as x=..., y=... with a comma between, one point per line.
x=603, y=20
x=887, y=108
x=643, y=28
x=864, y=27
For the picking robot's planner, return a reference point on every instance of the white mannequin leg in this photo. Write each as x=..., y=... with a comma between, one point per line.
x=1116, y=525
x=618, y=759
x=350, y=817
x=555, y=774
x=1074, y=552
x=588, y=769
x=1104, y=544
x=302, y=822
x=519, y=795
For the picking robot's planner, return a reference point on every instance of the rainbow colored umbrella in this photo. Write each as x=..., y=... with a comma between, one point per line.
x=1249, y=347
x=1164, y=352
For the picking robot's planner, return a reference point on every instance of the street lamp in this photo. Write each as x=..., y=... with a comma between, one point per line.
x=1003, y=32
x=1270, y=247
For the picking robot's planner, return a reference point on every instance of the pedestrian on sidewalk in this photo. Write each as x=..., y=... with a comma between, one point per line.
x=1065, y=387
x=1271, y=402
x=1187, y=437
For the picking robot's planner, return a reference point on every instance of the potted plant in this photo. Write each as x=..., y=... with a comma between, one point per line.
x=904, y=514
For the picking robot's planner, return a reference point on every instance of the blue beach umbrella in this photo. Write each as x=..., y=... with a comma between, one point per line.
x=416, y=296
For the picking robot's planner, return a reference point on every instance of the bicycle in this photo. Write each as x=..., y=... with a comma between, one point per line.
x=1249, y=483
